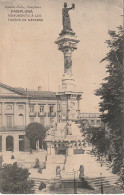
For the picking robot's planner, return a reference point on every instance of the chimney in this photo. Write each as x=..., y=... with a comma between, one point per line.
x=39, y=88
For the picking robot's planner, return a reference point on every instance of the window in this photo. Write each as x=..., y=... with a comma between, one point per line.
x=92, y=122
x=32, y=120
x=42, y=121
x=21, y=120
x=98, y=121
x=42, y=109
x=20, y=107
x=9, y=107
x=9, y=121
x=9, y=143
x=21, y=143
x=21, y=136
x=51, y=109
x=32, y=108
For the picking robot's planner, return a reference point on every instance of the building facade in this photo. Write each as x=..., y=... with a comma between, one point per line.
x=18, y=108
x=91, y=119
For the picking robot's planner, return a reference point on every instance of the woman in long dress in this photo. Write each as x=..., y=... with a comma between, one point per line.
x=66, y=18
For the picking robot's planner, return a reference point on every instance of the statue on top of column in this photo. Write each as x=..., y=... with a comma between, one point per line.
x=66, y=17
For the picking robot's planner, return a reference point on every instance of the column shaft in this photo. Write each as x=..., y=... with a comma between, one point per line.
x=67, y=61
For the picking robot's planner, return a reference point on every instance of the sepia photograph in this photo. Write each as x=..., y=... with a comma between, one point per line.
x=62, y=97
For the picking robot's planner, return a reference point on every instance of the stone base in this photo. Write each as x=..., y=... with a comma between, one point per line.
x=67, y=32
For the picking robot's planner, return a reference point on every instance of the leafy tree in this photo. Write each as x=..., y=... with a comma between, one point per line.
x=111, y=95
x=35, y=131
x=97, y=137
x=15, y=180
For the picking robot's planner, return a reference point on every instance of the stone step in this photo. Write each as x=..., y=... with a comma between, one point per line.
x=103, y=179
x=107, y=182
x=96, y=184
x=38, y=181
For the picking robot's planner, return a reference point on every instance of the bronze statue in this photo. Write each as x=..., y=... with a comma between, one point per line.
x=66, y=18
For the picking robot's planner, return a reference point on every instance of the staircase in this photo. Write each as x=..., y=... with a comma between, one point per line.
x=52, y=162
x=92, y=170
x=107, y=182
x=37, y=184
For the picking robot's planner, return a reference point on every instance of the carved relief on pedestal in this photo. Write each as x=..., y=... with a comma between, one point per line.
x=64, y=110
x=73, y=109
x=67, y=64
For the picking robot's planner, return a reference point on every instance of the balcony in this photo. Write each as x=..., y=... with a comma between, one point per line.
x=52, y=114
x=34, y=114
x=14, y=128
x=42, y=114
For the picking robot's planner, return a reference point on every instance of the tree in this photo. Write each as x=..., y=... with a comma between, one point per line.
x=35, y=131
x=15, y=180
x=97, y=137
x=111, y=95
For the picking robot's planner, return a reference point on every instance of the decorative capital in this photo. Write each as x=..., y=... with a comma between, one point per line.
x=66, y=43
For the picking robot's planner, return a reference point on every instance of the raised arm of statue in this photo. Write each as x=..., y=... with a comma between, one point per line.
x=73, y=6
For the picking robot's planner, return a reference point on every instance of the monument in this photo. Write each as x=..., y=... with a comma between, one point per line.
x=65, y=136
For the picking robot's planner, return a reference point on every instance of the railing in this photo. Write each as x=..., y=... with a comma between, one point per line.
x=43, y=114
x=14, y=128
x=52, y=114
x=32, y=114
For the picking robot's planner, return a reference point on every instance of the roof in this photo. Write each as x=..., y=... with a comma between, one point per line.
x=31, y=94
x=41, y=94
x=15, y=90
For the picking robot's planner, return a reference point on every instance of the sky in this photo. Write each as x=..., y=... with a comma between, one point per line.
x=29, y=55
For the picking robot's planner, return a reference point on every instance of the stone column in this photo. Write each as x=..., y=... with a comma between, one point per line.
x=15, y=114
x=3, y=115
x=27, y=119
x=78, y=114
x=57, y=110
x=4, y=142
x=47, y=118
x=78, y=107
x=67, y=61
x=16, y=142
x=67, y=109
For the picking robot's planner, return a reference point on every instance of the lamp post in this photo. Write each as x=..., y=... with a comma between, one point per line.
x=75, y=189
x=101, y=184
